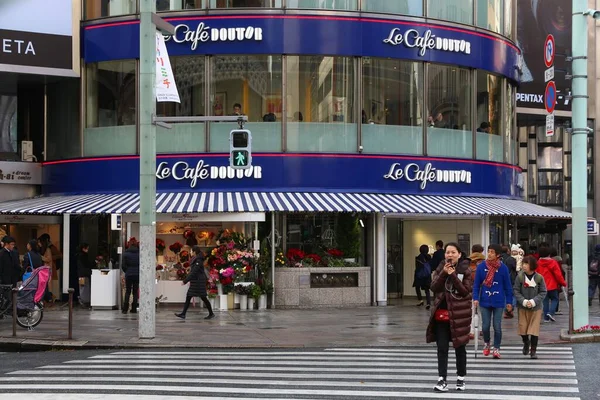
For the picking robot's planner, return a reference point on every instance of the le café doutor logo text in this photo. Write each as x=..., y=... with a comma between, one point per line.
x=414, y=173
x=182, y=171
x=204, y=33
x=412, y=38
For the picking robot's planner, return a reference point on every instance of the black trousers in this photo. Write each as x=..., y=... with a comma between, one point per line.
x=132, y=284
x=188, y=300
x=443, y=338
x=427, y=293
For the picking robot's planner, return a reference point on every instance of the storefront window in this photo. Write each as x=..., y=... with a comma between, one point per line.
x=392, y=106
x=324, y=4
x=63, y=137
x=8, y=124
x=455, y=10
x=247, y=85
x=449, y=112
x=320, y=104
x=489, y=14
x=510, y=134
x=509, y=6
x=168, y=5
x=403, y=7
x=489, y=109
x=190, y=80
x=108, y=8
x=111, y=108
x=245, y=3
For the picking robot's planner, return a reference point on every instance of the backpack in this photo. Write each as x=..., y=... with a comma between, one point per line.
x=425, y=271
x=593, y=269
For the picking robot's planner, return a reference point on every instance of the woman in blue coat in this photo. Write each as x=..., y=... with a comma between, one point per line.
x=492, y=292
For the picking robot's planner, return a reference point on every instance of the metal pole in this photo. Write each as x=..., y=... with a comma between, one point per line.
x=147, y=109
x=14, y=310
x=273, y=249
x=70, y=334
x=579, y=164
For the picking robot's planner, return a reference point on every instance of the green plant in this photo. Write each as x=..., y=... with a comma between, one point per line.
x=255, y=291
x=333, y=262
x=348, y=235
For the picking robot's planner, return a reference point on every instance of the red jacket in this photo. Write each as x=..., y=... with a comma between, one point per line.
x=550, y=270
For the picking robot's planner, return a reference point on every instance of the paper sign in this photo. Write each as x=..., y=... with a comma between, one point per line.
x=166, y=89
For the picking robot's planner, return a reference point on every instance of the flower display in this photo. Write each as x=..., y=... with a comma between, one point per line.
x=588, y=329
x=190, y=238
x=231, y=258
x=182, y=273
x=295, y=255
x=188, y=233
x=315, y=258
x=160, y=246
x=100, y=262
x=176, y=247
x=184, y=256
x=335, y=253
x=280, y=259
x=160, y=267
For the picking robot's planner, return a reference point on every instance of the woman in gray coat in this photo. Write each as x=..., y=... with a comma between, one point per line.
x=197, y=280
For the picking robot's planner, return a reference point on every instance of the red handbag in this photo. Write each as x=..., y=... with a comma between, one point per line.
x=442, y=315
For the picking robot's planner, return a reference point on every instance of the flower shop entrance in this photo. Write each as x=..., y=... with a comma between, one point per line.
x=235, y=233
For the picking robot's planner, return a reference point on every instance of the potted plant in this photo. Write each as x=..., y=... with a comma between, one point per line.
x=255, y=293
x=212, y=296
x=348, y=236
x=242, y=292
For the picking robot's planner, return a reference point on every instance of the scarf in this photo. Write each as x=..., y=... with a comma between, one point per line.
x=492, y=268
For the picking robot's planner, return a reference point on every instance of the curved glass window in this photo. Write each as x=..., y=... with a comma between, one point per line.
x=108, y=8
x=511, y=140
x=392, y=106
x=509, y=9
x=324, y=4
x=451, y=10
x=489, y=110
x=252, y=86
x=111, y=108
x=489, y=14
x=168, y=5
x=403, y=7
x=245, y=3
x=184, y=137
x=320, y=104
x=449, y=112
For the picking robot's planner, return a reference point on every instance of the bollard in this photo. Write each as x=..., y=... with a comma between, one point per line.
x=71, y=290
x=14, y=310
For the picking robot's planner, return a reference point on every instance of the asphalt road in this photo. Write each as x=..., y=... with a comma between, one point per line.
x=331, y=373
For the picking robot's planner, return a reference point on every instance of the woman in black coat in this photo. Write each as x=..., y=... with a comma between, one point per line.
x=197, y=280
x=422, y=276
x=84, y=273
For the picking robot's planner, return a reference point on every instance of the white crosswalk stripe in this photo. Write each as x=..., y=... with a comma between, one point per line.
x=336, y=373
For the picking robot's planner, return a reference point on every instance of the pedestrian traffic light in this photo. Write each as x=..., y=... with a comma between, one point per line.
x=240, y=149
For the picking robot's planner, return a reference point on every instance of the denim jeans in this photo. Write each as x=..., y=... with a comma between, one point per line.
x=550, y=303
x=593, y=284
x=489, y=314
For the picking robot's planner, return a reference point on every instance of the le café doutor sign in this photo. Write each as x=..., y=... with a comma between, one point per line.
x=412, y=172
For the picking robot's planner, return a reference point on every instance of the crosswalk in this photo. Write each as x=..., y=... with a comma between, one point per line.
x=333, y=373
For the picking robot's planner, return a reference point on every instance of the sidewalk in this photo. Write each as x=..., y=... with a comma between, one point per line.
x=399, y=324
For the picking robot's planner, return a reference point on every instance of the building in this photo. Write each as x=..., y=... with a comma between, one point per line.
x=377, y=126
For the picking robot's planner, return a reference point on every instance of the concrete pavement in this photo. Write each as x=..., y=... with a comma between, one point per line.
x=399, y=324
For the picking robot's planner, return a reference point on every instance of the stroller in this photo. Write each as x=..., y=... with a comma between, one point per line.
x=30, y=309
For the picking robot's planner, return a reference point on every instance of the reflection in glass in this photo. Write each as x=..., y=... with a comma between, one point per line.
x=489, y=14
x=8, y=124
x=403, y=7
x=550, y=158
x=108, y=8
x=508, y=17
x=111, y=108
x=451, y=10
x=510, y=140
x=245, y=3
x=489, y=108
x=324, y=4
x=392, y=106
x=168, y=5
x=247, y=85
x=320, y=104
x=449, y=112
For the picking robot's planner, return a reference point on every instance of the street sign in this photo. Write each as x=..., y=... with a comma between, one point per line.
x=549, y=125
x=550, y=97
x=549, y=74
x=592, y=227
x=549, y=51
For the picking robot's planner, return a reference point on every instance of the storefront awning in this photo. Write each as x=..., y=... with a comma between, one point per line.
x=214, y=202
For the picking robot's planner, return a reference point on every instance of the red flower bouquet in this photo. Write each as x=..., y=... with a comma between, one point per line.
x=184, y=256
x=159, y=267
x=314, y=258
x=335, y=253
x=295, y=255
x=176, y=247
x=188, y=234
x=160, y=246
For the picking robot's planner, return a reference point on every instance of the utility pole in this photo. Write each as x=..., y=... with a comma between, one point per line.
x=149, y=22
x=579, y=184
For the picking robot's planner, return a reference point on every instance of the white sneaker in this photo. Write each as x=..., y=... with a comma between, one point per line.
x=460, y=383
x=441, y=386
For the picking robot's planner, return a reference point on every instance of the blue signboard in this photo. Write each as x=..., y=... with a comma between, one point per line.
x=272, y=172
x=312, y=35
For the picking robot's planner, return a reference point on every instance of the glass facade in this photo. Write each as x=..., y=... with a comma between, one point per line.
x=490, y=14
x=489, y=111
x=451, y=10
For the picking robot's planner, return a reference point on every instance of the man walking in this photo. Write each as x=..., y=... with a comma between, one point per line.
x=10, y=270
x=492, y=291
x=438, y=256
x=511, y=263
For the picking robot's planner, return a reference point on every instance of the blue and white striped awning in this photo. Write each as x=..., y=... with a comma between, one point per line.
x=217, y=202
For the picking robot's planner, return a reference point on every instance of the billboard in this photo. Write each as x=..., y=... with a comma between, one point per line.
x=40, y=37
x=536, y=19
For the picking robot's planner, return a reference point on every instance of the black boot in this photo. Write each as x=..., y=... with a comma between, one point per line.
x=526, y=344
x=534, y=343
x=125, y=308
x=210, y=316
x=134, y=308
x=182, y=315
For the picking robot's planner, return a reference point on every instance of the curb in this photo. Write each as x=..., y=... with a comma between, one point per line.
x=579, y=337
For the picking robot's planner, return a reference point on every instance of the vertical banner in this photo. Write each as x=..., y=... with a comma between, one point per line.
x=536, y=20
x=166, y=89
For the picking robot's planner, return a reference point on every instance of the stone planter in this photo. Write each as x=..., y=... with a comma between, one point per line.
x=243, y=302
x=250, y=303
x=212, y=301
x=262, y=302
x=236, y=300
x=295, y=289
x=223, y=302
